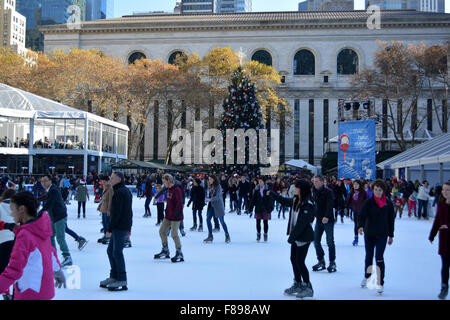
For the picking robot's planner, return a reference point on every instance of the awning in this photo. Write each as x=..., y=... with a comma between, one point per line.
x=299, y=163
x=437, y=150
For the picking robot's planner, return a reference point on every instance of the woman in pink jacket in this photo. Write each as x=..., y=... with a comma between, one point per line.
x=33, y=263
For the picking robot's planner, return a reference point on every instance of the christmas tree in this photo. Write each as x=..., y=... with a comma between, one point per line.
x=241, y=111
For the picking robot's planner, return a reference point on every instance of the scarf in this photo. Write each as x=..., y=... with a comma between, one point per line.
x=380, y=202
x=356, y=195
x=261, y=190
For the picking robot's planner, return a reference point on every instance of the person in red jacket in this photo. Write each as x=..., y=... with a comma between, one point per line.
x=172, y=220
x=441, y=224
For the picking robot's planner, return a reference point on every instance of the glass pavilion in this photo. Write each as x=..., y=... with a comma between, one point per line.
x=38, y=135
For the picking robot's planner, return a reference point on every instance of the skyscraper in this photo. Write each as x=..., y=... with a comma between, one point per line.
x=198, y=6
x=99, y=9
x=46, y=12
x=326, y=5
x=12, y=26
x=419, y=5
x=233, y=6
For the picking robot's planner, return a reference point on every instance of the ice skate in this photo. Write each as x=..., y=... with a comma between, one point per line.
x=380, y=290
x=81, y=243
x=209, y=239
x=355, y=241
x=258, y=237
x=183, y=234
x=266, y=236
x=444, y=292
x=106, y=282
x=178, y=256
x=294, y=289
x=306, y=292
x=227, y=238
x=200, y=228
x=66, y=262
x=164, y=254
x=364, y=283
x=332, y=267
x=319, y=266
x=117, y=286
x=127, y=243
x=194, y=227
x=216, y=229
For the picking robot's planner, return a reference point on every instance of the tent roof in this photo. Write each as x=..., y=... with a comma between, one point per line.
x=136, y=164
x=436, y=150
x=18, y=103
x=299, y=163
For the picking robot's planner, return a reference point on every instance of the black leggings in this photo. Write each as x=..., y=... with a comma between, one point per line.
x=356, y=221
x=445, y=269
x=298, y=257
x=194, y=215
x=82, y=203
x=5, y=253
x=258, y=226
x=160, y=209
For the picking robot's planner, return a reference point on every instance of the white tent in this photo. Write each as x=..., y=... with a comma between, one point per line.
x=299, y=163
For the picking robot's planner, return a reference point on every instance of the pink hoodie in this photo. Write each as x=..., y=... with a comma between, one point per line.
x=32, y=263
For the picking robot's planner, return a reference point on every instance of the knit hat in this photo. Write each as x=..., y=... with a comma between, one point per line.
x=82, y=181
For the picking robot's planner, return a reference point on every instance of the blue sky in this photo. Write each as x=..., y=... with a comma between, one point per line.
x=123, y=7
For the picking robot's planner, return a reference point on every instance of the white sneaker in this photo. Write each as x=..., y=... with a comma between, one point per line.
x=364, y=283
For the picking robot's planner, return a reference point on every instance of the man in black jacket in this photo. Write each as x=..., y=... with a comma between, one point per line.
x=57, y=211
x=324, y=222
x=121, y=218
x=244, y=188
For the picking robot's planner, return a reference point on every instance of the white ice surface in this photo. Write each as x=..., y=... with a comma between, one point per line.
x=245, y=269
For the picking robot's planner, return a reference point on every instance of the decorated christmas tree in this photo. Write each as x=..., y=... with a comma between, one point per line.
x=241, y=111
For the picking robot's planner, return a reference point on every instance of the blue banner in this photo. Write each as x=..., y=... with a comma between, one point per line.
x=357, y=150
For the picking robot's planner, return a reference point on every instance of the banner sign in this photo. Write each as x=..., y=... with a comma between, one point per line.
x=357, y=150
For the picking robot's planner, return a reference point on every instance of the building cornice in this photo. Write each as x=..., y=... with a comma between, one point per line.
x=255, y=22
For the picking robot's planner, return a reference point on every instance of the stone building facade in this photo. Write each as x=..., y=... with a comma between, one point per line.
x=315, y=52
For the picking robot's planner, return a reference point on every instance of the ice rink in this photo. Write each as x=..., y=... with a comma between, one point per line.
x=245, y=269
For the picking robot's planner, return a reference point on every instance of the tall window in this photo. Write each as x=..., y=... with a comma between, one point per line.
x=262, y=56
x=304, y=63
x=136, y=56
x=155, y=130
x=297, y=129
x=326, y=115
x=311, y=131
x=176, y=55
x=385, y=118
x=347, y=62
x=430, y=115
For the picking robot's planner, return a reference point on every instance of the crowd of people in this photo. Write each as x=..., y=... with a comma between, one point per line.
x=373, y=206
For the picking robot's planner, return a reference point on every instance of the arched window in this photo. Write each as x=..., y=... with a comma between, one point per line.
x=136, y=56
x=173, y=57
x=262, y=56
x=304, y=63
x=347, y=62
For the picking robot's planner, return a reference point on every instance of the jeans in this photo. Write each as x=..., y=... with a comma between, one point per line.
x=59, y=232
x=82, y=203
x=224, y=196
x=258, y=226
x=318, y=231
x=194, y=215
x=210, y=215
x=115, y=255
x=105, y=222
x=445, y=269
x=239, y=203
x=147, y=205
x=298, y=257
x=375, y=245
x=71, y=233
x=163, y=230
x=423, y=204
